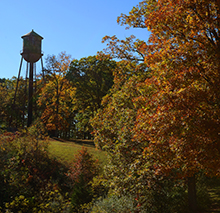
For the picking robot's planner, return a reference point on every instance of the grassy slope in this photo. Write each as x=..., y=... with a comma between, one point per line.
x=65, y=150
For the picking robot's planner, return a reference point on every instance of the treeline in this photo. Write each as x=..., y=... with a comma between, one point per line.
x=65, y=97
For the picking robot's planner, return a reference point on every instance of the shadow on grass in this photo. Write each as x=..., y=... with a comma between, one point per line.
x=214, y=193
x=213, y=188
x=77, y=141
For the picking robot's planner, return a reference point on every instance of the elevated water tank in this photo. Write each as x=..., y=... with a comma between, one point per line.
x=32, y=47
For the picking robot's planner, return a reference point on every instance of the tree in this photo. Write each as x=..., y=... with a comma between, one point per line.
x=184, y=53
x=5, y=99
x=81, y=174
x=114, y=126
x=57, y=95
x=13, y=109
x=127, y=49
x=178, y=120
x=92, y=77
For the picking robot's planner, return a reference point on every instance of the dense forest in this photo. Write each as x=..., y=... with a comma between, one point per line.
x=153, y=106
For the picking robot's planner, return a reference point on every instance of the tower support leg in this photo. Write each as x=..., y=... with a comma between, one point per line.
x=30, y=96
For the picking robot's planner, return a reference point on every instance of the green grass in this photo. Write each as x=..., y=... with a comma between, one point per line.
x=65, y=150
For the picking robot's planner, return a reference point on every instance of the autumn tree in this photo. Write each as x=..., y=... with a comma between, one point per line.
x=82, y=171
x=92, y=77
x=57, y=95
x=127, y=49
x=178, y=122
x=183, y=54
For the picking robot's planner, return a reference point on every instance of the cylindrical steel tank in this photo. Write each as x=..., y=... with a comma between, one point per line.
x=31, y=47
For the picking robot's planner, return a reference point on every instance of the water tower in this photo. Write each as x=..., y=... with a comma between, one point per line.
x=31, y=53
x=31, y=47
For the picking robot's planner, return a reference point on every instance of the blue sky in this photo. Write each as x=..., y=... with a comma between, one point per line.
x=76, y=27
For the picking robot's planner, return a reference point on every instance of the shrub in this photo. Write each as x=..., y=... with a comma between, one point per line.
x=48, y=200
x=26, y=170
x=114, y=203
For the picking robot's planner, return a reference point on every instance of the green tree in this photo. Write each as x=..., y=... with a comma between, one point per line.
x=114, y=130
x=92, y=77
x=13, y=109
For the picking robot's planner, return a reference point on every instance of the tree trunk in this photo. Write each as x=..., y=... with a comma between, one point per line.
x=192, y=194
x=57, y=109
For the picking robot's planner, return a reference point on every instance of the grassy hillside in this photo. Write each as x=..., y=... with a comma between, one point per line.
x=65, y=150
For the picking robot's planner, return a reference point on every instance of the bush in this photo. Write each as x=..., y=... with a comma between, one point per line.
x=49, y=200
x=26, y=171
x=115, y=204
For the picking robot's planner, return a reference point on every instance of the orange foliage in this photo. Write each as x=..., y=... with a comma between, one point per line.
x=182, y=116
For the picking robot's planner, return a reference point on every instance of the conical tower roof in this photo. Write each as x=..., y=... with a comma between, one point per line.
x=32, y=33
